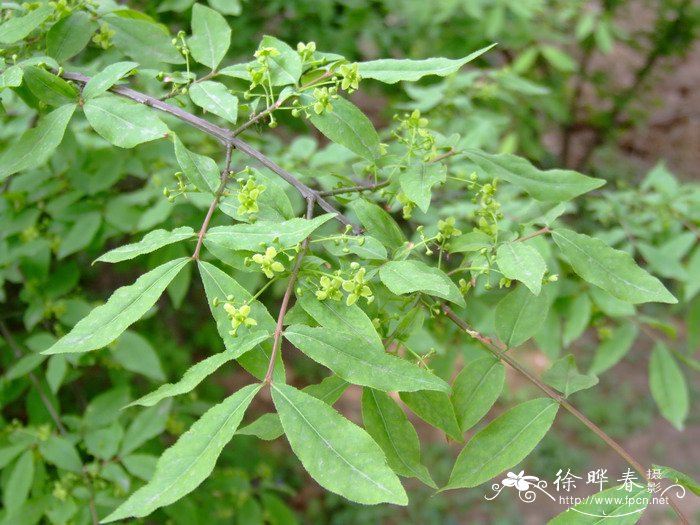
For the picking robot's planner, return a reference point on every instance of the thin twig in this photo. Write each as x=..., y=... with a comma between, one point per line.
x=499, y=350
x=354, y=189
x=225, y=136
x=277, y=339
x=533, y=234
x=215, y=201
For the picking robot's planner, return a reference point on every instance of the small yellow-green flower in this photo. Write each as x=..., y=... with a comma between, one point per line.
x=351, y=77
x=446, y=229
x=323, y=100
x=267, y=262
x=357, y=288
x=330, y=289
x=239, y=317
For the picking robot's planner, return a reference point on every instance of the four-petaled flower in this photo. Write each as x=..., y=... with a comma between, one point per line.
x=519, y=481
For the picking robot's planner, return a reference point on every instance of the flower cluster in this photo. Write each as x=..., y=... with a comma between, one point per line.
x=446, y=229
x=489, y=211
x=414, y=133
x=356, y=286
x=261, y=68
x=306, y=51
x=103, y=37
x=267, y=262
x=248, y=194
x=239, y=316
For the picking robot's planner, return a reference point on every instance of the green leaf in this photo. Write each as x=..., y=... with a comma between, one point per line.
x=123, y=123
x=346, y=355
x=391, y=71
x=219, y=284
x=418, y=180
x=379, y=223
x=250, y=236
x=19, y=482
x=106, y=78
x=227, y=7
x=80, y=235
x=211, y=36
x=668, y=386
x=185, y=465
x=147, y=425
x=11, y=77
x=49, y=88
x=37, y=144
x=135, y=353
x=548, y=186
x=565, y=377
x=577, y=316
x=267, y=427
x=146, y=42
x=348, y=126
x=23, y=366
x=200, y=170
x=503, y=443
x=389, y=427
x=519, y=316
x=215, y=98
x=613, y=270
x=521, y=262
x=198, y=372
x=476, y=389
x=7, y=454
x=19, y=27
x=69, y=36
x=336, y=316
x=614, y=348
x=614, y=505
x=558, y=58
x=470, y=242
x=404, y=277
x=285, y=68
x=150, y=243
x=338, y=454
x=126, y=306
x=679, y=477
x=105, y=408
x=435, y=409
x=62, y=453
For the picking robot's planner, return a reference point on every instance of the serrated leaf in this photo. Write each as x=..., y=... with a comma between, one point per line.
x=668, y=386
x=123, y=123
x=614, y=505
x=146, y=42
x=198, y=372
x=215, y=98
x=679, y=477
x=285, y=68
x=614, y=348
x=211, y=36
x=475, y=389
x=49, y=88
x=503, y=443
x=548, y=186
x=519, y=316
x=418, y=180
x=379, y=223
x=185, y=465
x=348, y=126
x=338, y=454
x=69, y=36
x=404, y=277
x=19, y=27
x=336, y=316
x=435, y=409
x=613, y=270
x=150, y=243
x=37, y=144
x=200, y=170
x=250, y=236
x=106, y=78
x=346, y=355
x=391, y=71
x=126, y=306
x=389, y=427
x=565, y=377
x=523, y=263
